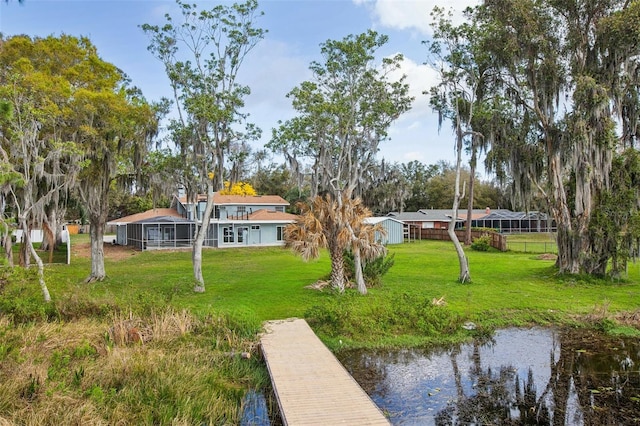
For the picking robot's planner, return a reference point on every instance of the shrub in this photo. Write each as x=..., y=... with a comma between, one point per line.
x=373, y=270
x=403, y=315
x=481, y=243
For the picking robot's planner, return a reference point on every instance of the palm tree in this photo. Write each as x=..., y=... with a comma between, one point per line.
x=320, y=226
x=363, y=238
x=337, y=225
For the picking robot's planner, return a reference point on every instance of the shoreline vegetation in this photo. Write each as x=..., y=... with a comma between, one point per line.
x=142, y=348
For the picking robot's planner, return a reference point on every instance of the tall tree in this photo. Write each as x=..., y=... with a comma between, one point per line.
x=343, y=116
x=417, y=175
x=38, y=162
x=344, y=113
x=114, y=126
x=275, y=179
x=565, y=148
x=456, y=98
x=207, y=94
x=615, y=225
x=388, y=188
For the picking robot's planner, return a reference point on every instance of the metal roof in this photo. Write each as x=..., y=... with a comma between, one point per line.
x=509, y=215
x=376, y=220
x=423, y=216
x=444, y=215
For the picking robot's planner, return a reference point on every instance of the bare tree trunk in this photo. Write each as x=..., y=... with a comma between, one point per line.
x=24, y=253
x=357, y=263
x=43, y=284
x=472, y=178
x=48, y=240
x=567, y=239
x=95, y=194
x=6, y=231
x=96, y=232
x=29, y=246
x=337, y=267
x=464, y=275
x=202, y=230
x=8, y=247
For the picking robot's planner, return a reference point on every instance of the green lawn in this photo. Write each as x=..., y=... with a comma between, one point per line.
x=534, y=242
x=532, y=237
x=259, y=284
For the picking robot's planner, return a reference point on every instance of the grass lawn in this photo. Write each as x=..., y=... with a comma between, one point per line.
x=269, y=283
x=533, y=242
x=532, y=237
x=258, y=284
x=142, y=348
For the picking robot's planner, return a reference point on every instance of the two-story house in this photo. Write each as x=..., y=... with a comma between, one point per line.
x=238, y=220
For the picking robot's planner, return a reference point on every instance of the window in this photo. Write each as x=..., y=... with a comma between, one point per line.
x=242, y=232
x=241, y=209
x=255, y=227
x=227, y=233
x=280, y=209
x=279, y=233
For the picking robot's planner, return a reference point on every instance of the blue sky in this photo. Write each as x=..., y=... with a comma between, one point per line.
x=279, y=63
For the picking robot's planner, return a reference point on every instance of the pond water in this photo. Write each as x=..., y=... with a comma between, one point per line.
x=518, y=376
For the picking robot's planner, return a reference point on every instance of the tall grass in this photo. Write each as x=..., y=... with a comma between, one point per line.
x=168, y=368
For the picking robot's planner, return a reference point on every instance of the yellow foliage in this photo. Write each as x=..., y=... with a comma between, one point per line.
x=240, y=188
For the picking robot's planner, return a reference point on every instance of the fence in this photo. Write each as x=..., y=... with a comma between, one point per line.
x=533, y=246
x=498, y=241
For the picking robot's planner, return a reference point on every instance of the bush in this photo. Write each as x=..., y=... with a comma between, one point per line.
x=481, y=243
x=406, y=314
x=373, y=270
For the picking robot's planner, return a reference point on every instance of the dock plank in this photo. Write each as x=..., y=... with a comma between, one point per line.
x=311, y=386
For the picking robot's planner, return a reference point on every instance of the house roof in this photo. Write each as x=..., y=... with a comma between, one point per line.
x=164, y=219
x=149, y=214
x=241, y=199
x=444, y=215
x=270, y=215
x=376, y=220
x=424, y=216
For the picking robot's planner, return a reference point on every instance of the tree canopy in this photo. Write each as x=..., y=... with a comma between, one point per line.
x=344, y=113
x=202, y=52
x=563, y=92
x=75, y=124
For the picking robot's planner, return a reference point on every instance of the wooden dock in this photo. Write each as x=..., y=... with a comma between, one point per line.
x=311, y=386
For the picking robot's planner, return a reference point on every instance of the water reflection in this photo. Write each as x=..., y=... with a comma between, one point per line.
x=519, y=376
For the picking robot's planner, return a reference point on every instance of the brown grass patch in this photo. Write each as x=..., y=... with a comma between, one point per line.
x=631, y=319
x=547, y=256
x=319, y=285
x=111, y=251
x=90, y=372
x=165, y=326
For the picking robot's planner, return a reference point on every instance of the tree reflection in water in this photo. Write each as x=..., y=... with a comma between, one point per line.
x=533, y=376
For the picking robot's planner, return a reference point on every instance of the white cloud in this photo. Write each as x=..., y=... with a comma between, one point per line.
x=412, y=14
x=272, y=70
x=415, y=135
x=420, y=78
x=412, y=156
